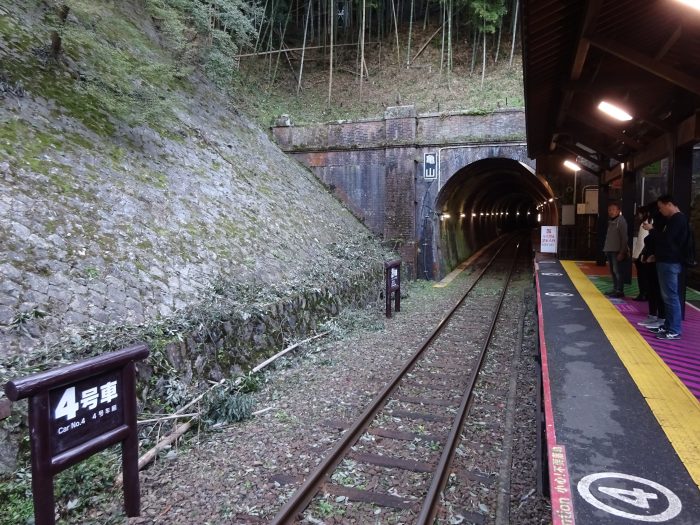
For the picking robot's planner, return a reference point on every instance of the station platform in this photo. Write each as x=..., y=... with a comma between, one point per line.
x=622, y=409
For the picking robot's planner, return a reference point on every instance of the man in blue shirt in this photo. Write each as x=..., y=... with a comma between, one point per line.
x=669, y=264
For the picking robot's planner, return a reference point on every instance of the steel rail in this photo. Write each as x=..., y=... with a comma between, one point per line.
x=301, y=498
x=432, y=499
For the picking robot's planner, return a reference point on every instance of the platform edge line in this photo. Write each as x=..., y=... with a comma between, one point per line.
x=550, y=430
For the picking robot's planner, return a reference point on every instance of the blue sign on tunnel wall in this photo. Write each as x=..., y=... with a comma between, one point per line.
x=430, y=166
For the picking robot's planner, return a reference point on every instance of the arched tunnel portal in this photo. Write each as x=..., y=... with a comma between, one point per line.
x=482, y=200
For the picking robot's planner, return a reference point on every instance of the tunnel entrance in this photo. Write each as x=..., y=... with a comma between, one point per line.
x=483, y=200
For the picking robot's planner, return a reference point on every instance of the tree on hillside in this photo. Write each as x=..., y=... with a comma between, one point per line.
x=222, y=28
x=489, y=13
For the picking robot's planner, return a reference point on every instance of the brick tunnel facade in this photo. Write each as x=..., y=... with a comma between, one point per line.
x=391, y=172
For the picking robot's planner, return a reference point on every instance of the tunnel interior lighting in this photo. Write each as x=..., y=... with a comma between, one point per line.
x=517, y=213
x=528, y=213
x=444, y=216
x=572, y=165
x=462, y=215
x=614, y=111
x=473, y=214
x=551, y=199
x=539, y=217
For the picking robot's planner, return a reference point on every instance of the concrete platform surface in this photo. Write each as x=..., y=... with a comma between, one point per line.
x=623, y=430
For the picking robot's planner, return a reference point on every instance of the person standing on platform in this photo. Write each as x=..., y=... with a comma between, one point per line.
x=638, y=245
x=655, y=224
x=669, y=259
x=616, y=248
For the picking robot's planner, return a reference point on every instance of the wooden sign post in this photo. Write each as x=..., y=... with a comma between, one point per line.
x=76, y=411
x=392, y=269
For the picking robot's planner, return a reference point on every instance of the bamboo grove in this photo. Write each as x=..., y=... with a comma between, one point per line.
x=288, y=33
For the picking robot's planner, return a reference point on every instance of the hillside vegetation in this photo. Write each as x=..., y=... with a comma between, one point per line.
x=140, y=201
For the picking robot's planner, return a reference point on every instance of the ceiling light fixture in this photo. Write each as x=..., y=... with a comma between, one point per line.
x=695, y=4
x=614, y=111
x=572, y=165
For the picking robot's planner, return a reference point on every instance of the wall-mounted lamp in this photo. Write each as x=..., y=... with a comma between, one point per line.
x=473, y=214
x=462, y=215
x=444, y=216
x=614, y=111
x=551, y=199
x=539, y=217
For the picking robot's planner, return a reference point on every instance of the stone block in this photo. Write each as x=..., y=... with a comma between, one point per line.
x=8, y=271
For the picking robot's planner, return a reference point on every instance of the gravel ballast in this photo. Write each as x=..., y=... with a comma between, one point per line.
x=244, y=472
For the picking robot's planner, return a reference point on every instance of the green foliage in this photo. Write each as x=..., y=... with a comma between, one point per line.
x=221, y=28
x=16, y=495
x=81, y=486
x=87, y=483
x=227, y=404
x=489, y=12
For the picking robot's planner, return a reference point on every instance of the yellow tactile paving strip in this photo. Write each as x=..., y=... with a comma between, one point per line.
x=674, y=406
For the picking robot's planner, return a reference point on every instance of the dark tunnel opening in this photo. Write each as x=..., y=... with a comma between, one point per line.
x=485, y=199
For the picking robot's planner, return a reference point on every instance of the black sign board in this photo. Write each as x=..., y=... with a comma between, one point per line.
x=76, y=411
x=392, y=270
x=430, y=167
x=84, y=410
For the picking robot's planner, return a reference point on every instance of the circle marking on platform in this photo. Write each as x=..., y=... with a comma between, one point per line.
x=553, y=274
x=637, y=496
x=559, y=294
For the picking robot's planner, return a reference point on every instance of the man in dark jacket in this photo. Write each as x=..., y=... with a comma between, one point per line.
x=616, y=248
x=669, y=258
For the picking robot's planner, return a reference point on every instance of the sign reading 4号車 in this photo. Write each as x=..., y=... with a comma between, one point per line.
x=76, y=411
x=84, y=410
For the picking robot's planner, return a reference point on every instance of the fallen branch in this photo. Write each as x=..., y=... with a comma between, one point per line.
x=184, y=427
x=164, y=418
x=288, y=349
x=425, y=45
x=163, y=443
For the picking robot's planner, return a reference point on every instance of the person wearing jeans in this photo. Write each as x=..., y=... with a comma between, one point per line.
x=669, y=259
x=669, y=280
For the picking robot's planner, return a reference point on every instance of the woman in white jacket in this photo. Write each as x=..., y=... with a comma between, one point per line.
x=642, y=269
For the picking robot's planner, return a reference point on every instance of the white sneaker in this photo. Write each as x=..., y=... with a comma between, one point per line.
x=657, y=324
x=650, y=320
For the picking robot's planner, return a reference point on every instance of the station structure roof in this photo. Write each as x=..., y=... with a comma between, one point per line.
x=640, y=55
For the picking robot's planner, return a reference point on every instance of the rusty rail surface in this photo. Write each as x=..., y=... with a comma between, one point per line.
x=311, y=486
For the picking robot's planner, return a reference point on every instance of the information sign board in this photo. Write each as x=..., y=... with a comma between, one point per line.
x=430, y=166
x=392, y=270
x=548, y=239
x=76, y=411
x=84, y=410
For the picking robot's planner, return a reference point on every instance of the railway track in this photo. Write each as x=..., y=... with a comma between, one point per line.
x=412, y=427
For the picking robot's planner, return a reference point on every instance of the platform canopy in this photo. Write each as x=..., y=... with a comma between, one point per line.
x=642, y=56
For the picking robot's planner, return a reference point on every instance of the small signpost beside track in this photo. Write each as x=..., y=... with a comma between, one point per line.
x=76, y=411
x=392, y=271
